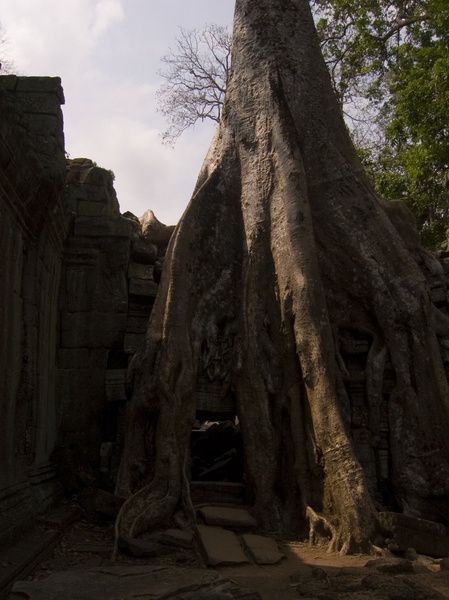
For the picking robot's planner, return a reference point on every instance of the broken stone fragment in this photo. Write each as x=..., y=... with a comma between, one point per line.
x=393, y=566
x=263, y=550
x=426, y=537
x=154, y=231
x=220, y=547
x=142, y=548
x=116, y=583
x=143, y=252
x=388, y=520
x=176, y=537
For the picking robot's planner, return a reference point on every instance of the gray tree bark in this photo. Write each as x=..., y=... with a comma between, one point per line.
x=283, y=246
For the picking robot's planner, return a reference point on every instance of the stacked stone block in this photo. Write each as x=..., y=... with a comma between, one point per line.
x=77, y=286
x=107, y=294
x=93, y=315
x=142, y=292
x=34, y=220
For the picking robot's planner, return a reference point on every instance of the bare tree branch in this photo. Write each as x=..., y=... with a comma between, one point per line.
x=403, y=22
x=195, y=74
x=6, y=64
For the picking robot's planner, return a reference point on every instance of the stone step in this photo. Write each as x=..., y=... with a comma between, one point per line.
x=228, y=517
x=220, y=546
x=217, y=491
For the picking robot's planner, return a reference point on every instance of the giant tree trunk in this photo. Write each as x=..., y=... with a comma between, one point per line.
x=282, y=252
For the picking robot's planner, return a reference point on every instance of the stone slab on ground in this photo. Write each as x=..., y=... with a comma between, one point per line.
x=423, y=543
x=426, y=537
x=263, y=550
x=19, y=559
x=22, y=557
x=142, y=548
x=177, y=537
x=116, y=583
x=393, y=566
x=223, y=516
x=388, y=520
x=104, y=550
x=220, y=546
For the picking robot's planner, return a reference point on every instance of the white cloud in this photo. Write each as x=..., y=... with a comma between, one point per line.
x=107, y=55
x=50, y=33
x=107, y=13
x=148, y=175
x=124, y=136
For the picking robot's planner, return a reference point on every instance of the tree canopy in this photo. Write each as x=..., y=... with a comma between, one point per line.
x=389, y=63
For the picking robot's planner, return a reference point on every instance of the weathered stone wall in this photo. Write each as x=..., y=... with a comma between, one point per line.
x=106, y=297
x=77, y=282
x=34, y=220
x=372, y=438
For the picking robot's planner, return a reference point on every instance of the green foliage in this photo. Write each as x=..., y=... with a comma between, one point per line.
x=390, y=61
x=389, y=64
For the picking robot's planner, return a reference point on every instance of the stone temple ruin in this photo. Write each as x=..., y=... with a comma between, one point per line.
x=78, y=281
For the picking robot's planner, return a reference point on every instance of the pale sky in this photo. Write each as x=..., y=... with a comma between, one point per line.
x=107, y=53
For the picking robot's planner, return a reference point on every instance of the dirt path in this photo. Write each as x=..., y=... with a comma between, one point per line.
x=313, y=573
x=305, y=572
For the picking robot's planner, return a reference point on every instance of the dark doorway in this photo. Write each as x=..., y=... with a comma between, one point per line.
x=216, y=450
